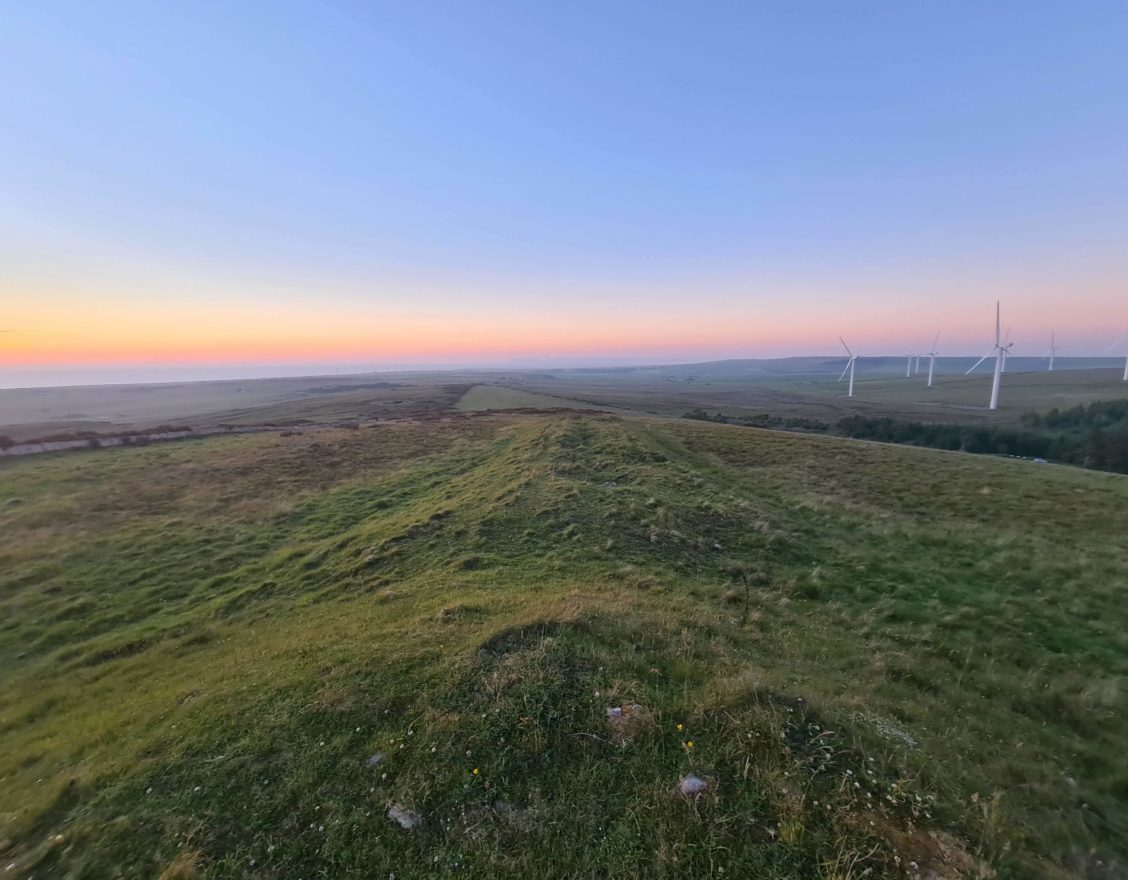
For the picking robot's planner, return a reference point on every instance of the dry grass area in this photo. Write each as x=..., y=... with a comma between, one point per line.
x=27, y=413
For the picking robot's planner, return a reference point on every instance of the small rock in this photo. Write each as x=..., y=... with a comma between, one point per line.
x=628, y=721
x=691, y=784
x=407, y=819
x=375, y=760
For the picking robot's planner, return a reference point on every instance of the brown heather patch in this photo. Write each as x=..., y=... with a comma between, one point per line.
x=630, y=722
x=183, y=867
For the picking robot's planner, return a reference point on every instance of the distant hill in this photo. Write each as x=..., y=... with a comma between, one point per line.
x=881, y=365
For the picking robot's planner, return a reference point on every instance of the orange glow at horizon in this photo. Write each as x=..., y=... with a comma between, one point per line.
x=381, y=343
x=156, y=333
x=118, y=324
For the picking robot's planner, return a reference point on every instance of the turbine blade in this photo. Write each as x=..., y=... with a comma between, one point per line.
x=977, y=363
x=846, y=369
x=996, y=323
x=935, y=342
x=845, y=346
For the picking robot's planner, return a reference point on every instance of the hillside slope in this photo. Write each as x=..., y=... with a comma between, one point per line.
x=262, y=656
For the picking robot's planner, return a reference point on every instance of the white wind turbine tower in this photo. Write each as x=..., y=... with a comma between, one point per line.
x=1006, y=346
x=1053, y=351
x=999, y=351
x=849, y=367
x=932, y=359
x=909, y=368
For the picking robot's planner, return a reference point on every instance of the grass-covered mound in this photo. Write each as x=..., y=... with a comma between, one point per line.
x=570, y=646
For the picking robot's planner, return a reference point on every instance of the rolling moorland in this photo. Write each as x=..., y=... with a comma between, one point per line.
x=562, y=643
x=789, y=387
x=1077, y=415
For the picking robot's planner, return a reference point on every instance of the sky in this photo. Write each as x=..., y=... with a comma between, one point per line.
x=224, y=188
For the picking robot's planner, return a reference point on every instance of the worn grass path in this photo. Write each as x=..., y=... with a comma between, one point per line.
x=494, y=397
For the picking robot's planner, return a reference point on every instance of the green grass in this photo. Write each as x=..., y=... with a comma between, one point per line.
x=881, y=655
x=487, y=397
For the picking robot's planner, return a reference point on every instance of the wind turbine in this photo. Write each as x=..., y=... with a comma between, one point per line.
x=1000, y=352
x=1006, y=348
x=932, y=359
x=1000, y=356
x=849, y=367
x=909, y=368
x=917, y=369
x=1053, y=351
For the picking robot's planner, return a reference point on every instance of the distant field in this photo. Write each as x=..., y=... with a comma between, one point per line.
x=232, y=658
x=954, y=397
x=486, y=397
x=1019, y=392
x=26, y=413
x=791, y=388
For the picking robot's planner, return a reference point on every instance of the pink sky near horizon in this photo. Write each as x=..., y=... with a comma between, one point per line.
x=99, y=325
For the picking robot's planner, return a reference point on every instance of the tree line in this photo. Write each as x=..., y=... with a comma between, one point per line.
x=761, y=420
x=1090, y=436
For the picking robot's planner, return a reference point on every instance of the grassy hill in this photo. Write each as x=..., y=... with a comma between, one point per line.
x=262, y=656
